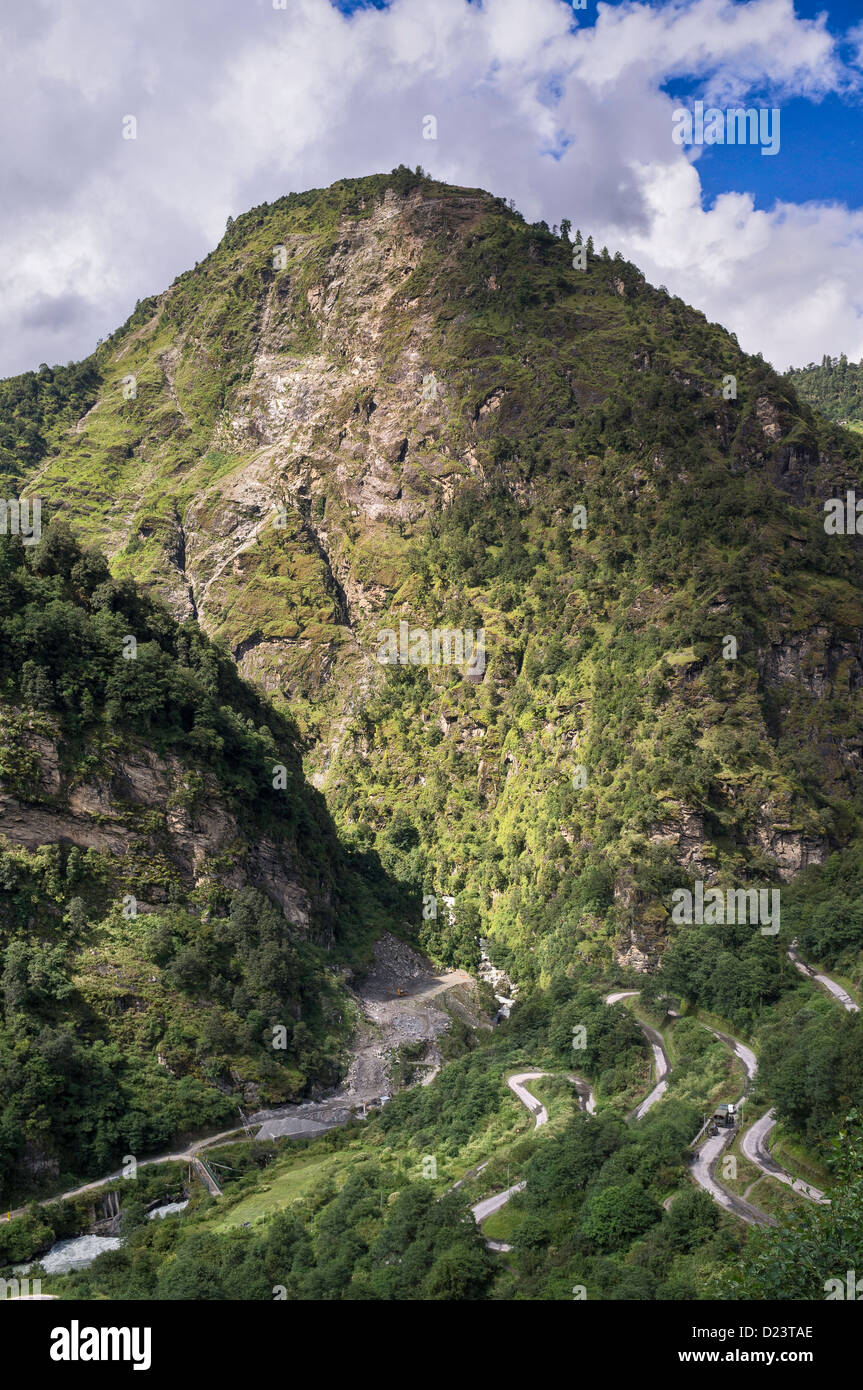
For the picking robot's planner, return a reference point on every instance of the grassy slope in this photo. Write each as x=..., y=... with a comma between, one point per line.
x=605, y=647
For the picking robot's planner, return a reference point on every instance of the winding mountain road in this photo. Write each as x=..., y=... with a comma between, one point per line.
x=660, y=1057
x=755, y=1146
x=516, y=1085
x=709, y=1150
x=587, y=1100
x=702, y=1167
x=707, y=1154
x=755, y=1141
x=830, y=985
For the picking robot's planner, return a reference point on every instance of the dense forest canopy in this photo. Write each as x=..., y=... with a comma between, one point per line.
x=834, y=385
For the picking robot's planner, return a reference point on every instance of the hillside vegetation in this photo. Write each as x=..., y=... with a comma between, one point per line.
x=167, y=902
x=835, y=387
x=376, y=413
x=387, y=401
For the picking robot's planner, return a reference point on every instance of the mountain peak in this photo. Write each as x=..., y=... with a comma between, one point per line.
x=392, y=416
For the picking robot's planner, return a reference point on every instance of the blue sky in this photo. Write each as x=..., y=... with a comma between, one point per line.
x=823, y=140
x=822, y=145
x=568, y=112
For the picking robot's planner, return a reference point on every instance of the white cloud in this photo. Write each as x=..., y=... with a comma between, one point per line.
x=734, y=46
x=238, y=103
x=786, y=281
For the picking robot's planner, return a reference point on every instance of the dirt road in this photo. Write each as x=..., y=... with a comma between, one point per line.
x=397, y=1004
x=391, y=1019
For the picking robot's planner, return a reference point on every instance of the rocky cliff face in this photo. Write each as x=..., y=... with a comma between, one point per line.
x=138, y=811
x=177, y=916
x=385, y=403
x=329, y=446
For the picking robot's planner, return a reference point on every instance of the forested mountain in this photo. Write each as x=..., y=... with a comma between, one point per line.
x=385, y=427
x=835, y=387
x=172, y=888
x=393, y=401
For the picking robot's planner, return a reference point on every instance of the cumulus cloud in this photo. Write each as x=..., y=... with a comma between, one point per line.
x=237, y=103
